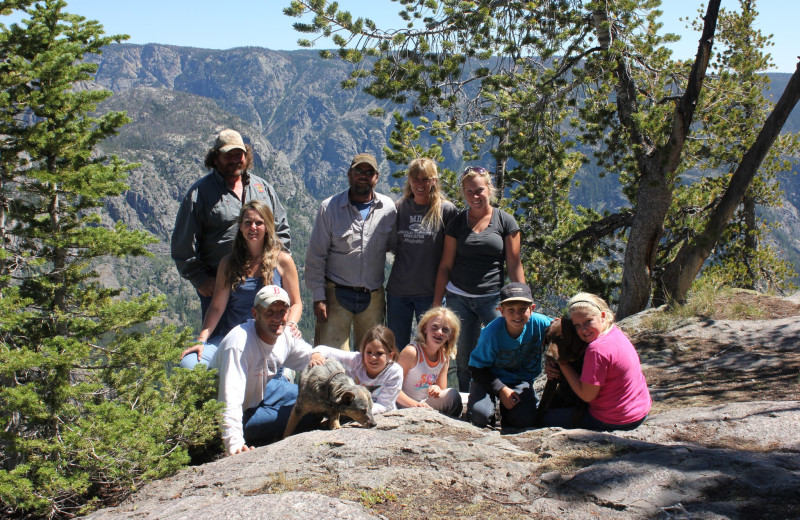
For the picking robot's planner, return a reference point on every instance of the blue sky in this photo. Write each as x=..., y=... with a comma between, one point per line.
x=261, y=23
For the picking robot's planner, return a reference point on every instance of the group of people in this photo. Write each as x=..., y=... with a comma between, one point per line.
x=232, y=242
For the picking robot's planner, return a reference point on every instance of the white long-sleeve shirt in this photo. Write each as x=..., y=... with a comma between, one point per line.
x=389, y=381
x=246, y=364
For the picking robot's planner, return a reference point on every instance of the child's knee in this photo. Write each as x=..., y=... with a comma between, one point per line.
x=481, y=414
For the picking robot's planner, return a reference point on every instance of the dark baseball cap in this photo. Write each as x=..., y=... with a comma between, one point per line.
x=516, y=292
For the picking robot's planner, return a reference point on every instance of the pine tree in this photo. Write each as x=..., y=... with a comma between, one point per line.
x=545, y=86
x=90, y=408
x=732, y=107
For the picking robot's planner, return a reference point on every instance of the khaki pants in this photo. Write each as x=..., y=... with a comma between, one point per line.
x=335, y=332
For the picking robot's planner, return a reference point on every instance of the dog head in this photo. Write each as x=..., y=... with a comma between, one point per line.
x=562, y=342
x=356, y=403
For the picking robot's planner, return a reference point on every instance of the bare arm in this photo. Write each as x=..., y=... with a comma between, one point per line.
x=435, y=390
x=513, y=260
x=441, y=381
x=445, y=266
x=222, y=291
x=583, y=390
x=508, y=397
x=407, y=360
x=291, y=282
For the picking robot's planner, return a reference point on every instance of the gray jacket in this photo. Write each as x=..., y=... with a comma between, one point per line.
x=206, y=223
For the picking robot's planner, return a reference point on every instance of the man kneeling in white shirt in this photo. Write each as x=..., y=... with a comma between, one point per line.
x=258, y=404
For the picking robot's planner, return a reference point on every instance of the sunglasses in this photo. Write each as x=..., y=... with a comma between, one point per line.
x=369, y=172
x=479, y=170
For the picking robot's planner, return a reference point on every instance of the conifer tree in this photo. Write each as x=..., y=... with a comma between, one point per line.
x=89, y=407
x=545, y=85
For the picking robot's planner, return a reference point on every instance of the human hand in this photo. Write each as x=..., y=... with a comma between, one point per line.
x=207, y=288
x=509, y=398
x=196, y=348
x=321, y=310
x=421, y=404
x=434, y=391
x=316, y=359
x=294, y=330
x=551, y=369
x=242, y=450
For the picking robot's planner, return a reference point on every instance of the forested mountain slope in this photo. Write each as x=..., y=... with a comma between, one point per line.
x=304, y=128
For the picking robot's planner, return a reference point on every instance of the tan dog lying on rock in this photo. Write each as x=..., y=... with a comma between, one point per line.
x=562, y=343
x=327, y=389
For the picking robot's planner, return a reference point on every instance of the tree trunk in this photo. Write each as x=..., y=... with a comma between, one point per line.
x=501, y=162
x=655, y=197
x=657, y=166
x=679, y=274
x=750, y=240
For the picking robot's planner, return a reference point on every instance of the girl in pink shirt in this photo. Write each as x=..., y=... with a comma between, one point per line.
x=611, y=381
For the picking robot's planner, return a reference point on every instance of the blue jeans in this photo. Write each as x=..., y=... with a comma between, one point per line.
x=190, y=361
x=266, y=422
x=481, y=405
x=400, y=311
x=473, y=313
x=562, y=417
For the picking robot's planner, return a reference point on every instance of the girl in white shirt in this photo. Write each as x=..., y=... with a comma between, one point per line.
x=425, y=363
x=372, y=366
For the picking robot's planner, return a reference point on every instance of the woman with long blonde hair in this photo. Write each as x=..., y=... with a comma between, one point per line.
x=481, y=244
x=256, y=260
x=422, y=214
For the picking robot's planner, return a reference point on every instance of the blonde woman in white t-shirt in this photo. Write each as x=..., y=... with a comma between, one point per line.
x=425, y=362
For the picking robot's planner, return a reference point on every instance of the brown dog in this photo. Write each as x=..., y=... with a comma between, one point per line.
x=328, y=390
x=562, y=344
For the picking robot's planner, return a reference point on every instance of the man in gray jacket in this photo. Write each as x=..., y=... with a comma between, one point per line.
x=346, y=257
x=206, y=222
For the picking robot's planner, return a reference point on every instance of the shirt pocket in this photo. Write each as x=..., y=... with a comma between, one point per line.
x=345, y=238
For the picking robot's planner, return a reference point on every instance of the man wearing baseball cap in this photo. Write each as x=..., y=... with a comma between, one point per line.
x=507, y=360
x=346, y=257
x=206, y=222
x=257, y=401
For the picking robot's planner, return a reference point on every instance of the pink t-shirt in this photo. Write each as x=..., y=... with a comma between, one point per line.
x=612, y=363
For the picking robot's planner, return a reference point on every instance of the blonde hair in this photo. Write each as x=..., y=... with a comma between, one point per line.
x=479, y=171
x=591, y=304
x=449, y=346
x=425, y=168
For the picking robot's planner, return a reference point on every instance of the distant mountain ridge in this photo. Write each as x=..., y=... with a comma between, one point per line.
x=288, y=105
